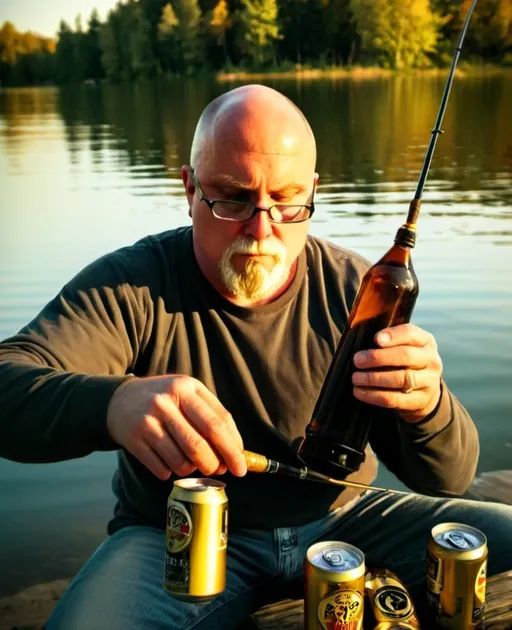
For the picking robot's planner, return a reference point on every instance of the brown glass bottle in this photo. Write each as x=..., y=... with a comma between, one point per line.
x=337, y=434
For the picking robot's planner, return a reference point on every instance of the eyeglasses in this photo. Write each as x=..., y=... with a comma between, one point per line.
x=231, y=210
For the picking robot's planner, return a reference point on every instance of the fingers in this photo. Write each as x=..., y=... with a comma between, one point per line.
x=159, y=452
x=173, y=423
x=396, y=379
x=204, y=437
x=401, y=346
x=191, y=443
x=151, y=460
x=402, y=373
x=404, y=334
x=415, y=401
x=221, y=411
x=399, y=356
x=217, y=428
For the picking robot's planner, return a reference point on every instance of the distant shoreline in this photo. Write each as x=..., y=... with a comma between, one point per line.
x=356, y=72
x=299, y=74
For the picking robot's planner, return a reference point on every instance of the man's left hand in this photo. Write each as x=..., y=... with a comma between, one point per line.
x=402, y=373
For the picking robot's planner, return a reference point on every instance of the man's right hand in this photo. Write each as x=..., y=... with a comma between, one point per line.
x=175, y=424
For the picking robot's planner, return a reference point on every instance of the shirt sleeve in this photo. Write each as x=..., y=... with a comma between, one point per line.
x=58, y=373
x=437, y=456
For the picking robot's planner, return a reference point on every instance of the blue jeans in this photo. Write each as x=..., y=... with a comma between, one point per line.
x=120, y=587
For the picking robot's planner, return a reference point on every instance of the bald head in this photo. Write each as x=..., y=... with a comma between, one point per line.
x=252, y=118
x=252, y=146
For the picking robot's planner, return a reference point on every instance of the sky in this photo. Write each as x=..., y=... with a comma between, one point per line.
x=44, y=17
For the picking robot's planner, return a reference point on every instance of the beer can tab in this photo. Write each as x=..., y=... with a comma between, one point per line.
x=458, y=540
x=459, y=537
x=334, y=557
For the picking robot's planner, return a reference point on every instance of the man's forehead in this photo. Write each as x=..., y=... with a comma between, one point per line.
x=227, y=180
x=265, y=142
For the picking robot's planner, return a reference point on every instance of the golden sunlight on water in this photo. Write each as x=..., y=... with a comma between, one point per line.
x=88, y=170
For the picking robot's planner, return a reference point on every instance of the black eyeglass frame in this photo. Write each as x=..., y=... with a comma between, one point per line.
x=309, y=205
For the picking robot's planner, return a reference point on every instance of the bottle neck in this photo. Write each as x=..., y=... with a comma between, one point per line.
x=406, y=235
x=399, y=254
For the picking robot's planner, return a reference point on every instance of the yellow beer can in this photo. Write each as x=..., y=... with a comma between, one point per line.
x=334, y=587
x=196, y=539
x=456, y=576
x=389, y=602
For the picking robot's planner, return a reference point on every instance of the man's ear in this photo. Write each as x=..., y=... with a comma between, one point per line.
x=188, y=183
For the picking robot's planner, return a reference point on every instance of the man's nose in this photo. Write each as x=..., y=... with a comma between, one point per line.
x=259, y=226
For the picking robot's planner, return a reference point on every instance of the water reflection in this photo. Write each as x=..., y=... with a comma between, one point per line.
x=369, y=133
x=84, y=171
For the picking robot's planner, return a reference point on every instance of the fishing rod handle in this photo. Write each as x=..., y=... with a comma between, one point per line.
x=256, y=462
x=261, y=464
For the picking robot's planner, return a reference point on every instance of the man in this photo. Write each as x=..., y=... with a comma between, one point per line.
x=193, y=344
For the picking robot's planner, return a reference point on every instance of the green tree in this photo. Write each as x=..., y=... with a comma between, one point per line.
x=168, y=22
x=167, y=36
x=341, y=39
x=219, y=24
x=489, y=35
x=9, y=44
x=8, y=52
x=127, y=52
x=142, y=59
x=25, y=58
x=111, y=58
x=189, y=35
x=65, y=54
x=92, y=45
x=79, y=51
x=293, y=27
x=258, y=31
x=398, y=33
x=70, y=53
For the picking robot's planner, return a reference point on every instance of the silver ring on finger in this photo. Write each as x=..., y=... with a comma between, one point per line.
x=409, y=382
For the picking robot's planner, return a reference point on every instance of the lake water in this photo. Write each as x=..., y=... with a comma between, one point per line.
x=87, y=170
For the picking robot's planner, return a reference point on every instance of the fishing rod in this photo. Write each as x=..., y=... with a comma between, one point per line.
x=317, y=449
x=386, y=297
x=260, y=464
x=414, y=208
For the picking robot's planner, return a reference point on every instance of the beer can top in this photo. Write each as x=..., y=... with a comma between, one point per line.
x=199, y=484
x=337, y=558
x=458, y=537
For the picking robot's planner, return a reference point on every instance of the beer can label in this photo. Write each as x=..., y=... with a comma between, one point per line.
x=178, y=537
x=179, y=527
x=434, y=578
x=341, y=610
x=480, y=586
x=177, y=572
x=393, y=602
x=223, y=537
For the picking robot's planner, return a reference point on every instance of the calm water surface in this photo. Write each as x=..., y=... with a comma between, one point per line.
x=88, y=170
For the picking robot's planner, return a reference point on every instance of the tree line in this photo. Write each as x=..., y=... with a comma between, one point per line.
x=146, y=38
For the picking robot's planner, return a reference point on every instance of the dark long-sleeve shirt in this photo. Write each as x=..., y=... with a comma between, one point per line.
x=148, y=310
